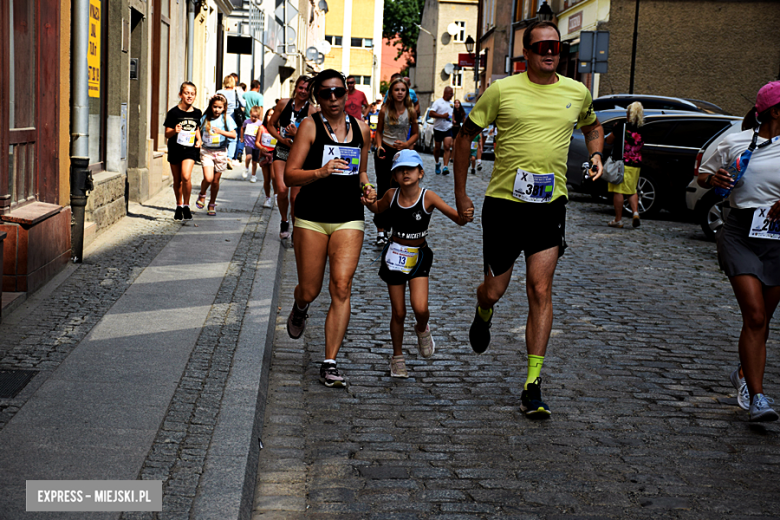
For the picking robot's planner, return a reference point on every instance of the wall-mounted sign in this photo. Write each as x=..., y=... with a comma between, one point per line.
x=465, y=60
x=93, y=56
x=575, y=22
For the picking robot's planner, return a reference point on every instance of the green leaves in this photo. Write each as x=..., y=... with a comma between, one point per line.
x=400, y=17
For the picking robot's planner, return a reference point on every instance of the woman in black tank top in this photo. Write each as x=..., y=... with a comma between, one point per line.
x=329, y=223
x=283, y=125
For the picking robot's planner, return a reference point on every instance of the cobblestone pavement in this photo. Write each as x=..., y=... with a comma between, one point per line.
x=644, y=424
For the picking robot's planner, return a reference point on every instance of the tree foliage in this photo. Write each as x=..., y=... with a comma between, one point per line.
x=398, y=25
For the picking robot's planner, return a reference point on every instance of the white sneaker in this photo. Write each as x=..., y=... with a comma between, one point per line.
x=479, y=165
x=398, y=367
x=760, y=411
x=425, y=343
x=244, y=174
x=253, y=178
x=743, y=396
x=269, y=202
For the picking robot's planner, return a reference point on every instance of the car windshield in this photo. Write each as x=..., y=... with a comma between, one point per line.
x=707, y=107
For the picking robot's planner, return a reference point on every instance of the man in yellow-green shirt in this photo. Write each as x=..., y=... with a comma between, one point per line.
x=535, y=114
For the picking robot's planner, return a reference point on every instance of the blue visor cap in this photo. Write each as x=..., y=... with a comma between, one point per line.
x=408, y=158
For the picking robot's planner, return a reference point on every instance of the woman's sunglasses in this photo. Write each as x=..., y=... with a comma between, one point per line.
x=327, y=93
x=544, y=47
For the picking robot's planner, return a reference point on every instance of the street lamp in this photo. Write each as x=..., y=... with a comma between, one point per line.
x=544, y=14
x=469, y=44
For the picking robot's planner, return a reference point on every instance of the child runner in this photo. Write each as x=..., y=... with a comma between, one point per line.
x=476, y=148
x=266, y=143
x=407, y=257
x=249, y=132
x=217, y=128
x=184, y=141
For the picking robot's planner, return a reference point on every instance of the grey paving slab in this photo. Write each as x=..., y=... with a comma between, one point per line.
x=103, y=408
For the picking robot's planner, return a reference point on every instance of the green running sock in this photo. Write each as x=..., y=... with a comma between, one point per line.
x=484, y=314
x=534, y=369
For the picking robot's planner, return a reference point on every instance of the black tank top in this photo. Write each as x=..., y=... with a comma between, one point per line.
x=289, y=116
x=409, y=223
x=335, y=198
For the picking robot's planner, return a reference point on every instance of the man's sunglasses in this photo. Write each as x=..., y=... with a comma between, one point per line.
x=327, y=93
x=544, y=47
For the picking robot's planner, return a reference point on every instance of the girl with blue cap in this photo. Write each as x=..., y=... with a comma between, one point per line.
x=407, y=257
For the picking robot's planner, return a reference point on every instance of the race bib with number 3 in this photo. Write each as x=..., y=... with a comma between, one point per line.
x=762, y=227
x=534, y=187
x=351, y=154
x=401, y=258
x=186, y=138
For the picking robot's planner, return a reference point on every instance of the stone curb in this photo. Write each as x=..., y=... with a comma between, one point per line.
x=227, y=485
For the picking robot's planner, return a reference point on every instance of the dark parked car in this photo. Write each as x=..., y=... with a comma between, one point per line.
x=655, y=103
x=672, y=142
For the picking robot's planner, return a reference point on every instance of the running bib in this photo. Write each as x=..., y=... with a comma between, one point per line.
x=214, y=139
x=401, y=258
x=351, y=154
x=534, y=187
x=474, y=145
x=762, y=227
x=186, y=138
x=268, y=141
x=251, y=129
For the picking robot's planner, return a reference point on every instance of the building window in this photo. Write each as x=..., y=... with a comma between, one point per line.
x=488, y=20
x=366, y=80
x=368, y=43
x=460, y=36
x=333, y=40
x=456, y=78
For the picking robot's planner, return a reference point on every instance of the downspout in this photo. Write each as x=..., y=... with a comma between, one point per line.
x=80, y=176
x=190, y=38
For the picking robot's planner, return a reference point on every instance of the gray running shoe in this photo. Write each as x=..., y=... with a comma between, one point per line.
x=743, y=396
x=330, y=376
x=296, y=321
x=760, y=410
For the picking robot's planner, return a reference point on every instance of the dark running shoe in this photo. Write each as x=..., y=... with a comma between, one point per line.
x=479, y=333
x=284, y=230
x=531, y=403
x=186, y=213
x=296, y=322
x=177, y=215
x=330, y=376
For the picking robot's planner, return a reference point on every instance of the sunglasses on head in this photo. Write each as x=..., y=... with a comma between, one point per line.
x=544, y=47
x=327, y=93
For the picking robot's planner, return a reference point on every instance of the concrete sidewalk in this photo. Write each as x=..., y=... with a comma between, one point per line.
x=167, y=384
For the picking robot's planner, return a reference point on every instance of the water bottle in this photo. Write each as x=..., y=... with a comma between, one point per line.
x=736, y=171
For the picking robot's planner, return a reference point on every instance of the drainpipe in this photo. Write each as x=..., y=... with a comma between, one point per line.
x=190, y=37
x=80, y=176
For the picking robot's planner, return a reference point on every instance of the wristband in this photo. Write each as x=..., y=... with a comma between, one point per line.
x=363, y=186
x=596, y=153
x=708, y=182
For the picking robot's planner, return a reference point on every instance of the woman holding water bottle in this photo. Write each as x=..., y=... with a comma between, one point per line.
x=749, y=243
x=329, y=160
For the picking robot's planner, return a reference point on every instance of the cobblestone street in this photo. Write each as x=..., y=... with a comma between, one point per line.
x=644, y=419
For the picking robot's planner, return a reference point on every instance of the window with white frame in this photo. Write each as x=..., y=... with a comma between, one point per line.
x=456, y=78
x=488, y=19
x=460, y=36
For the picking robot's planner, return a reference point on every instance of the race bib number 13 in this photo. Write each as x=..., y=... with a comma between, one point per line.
x=762, y=227
x=534, y=187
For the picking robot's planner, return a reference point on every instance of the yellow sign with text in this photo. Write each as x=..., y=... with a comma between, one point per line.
x=93, y=58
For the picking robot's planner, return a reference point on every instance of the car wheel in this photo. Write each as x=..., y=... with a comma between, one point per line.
x=649, y=196
x=711, y=214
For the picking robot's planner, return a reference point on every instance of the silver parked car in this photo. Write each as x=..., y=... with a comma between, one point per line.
x=710, y=210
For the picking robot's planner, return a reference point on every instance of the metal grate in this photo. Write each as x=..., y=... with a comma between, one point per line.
x=12, y=382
